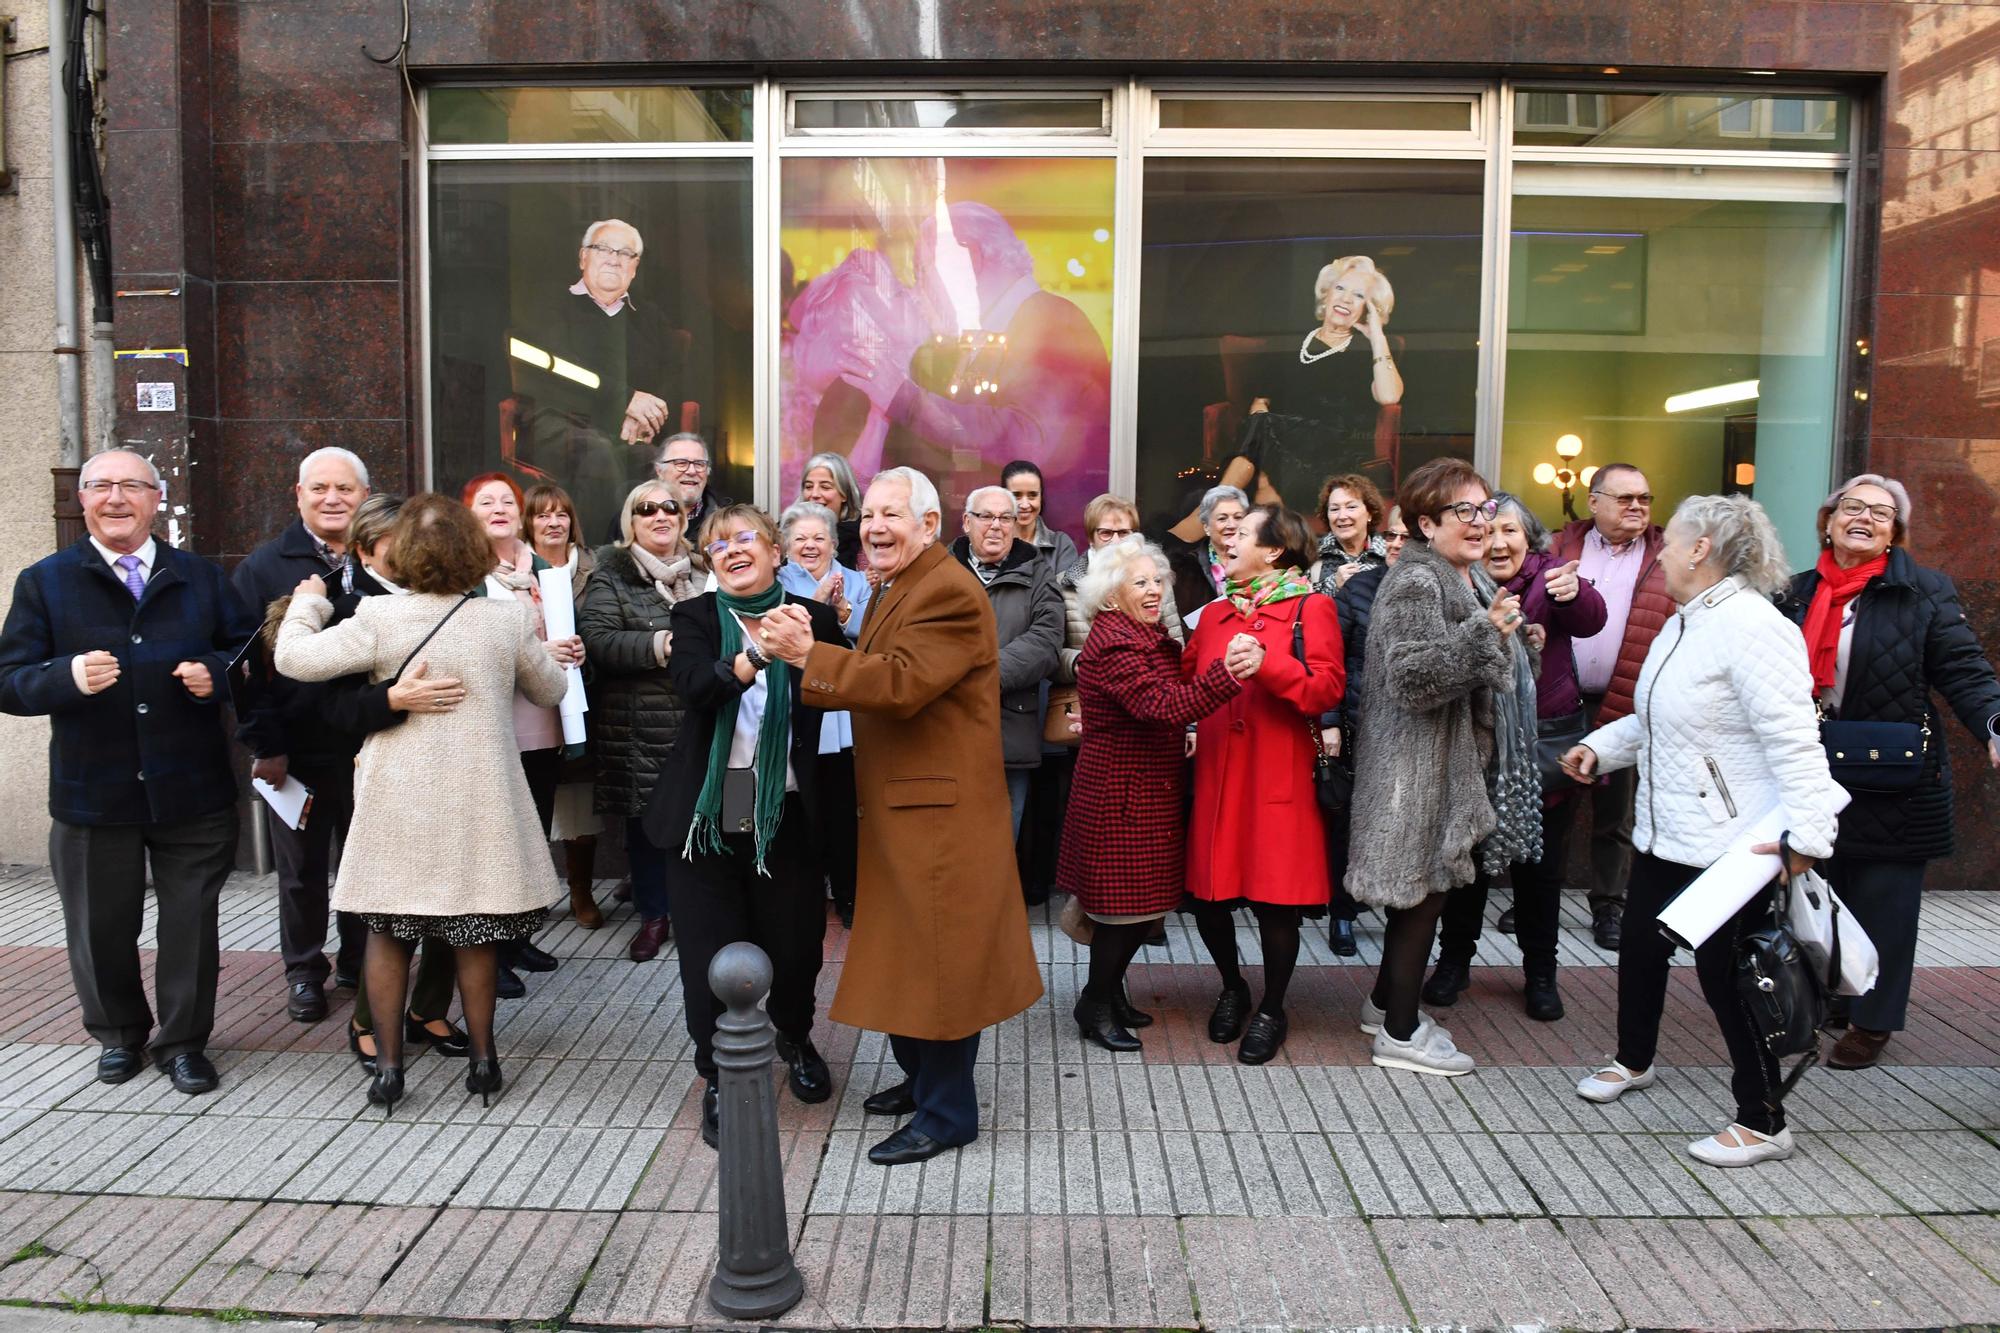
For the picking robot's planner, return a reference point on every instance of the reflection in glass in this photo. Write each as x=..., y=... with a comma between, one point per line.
x=964, y=112
x=582, y=313
x=950, y=314
x=1593, y=118
x=540, y=114
x=1315, y=113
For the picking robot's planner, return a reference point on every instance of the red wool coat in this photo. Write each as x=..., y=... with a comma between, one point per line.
x=1256, y=831
x=1124, y=849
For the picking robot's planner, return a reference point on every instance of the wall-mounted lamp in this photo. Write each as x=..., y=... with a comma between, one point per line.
x=1562, y=475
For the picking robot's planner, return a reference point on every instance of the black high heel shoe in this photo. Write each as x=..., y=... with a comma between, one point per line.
x=483, y=1077
x=453, y=1042
x=354, y=1036
x=386, y=1089
x=1095, y=1022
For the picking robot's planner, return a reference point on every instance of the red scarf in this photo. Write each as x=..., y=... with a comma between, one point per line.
x=1837, y=587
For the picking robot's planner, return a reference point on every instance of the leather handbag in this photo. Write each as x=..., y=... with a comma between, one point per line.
x=1554, y=738
x=1780, y=989
x=1875, y=756
x=1063, y=709
x=1333, y=774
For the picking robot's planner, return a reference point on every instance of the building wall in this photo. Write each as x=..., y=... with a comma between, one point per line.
x=260, y=160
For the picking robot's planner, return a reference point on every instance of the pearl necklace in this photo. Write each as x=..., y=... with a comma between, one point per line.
x=1306, y=358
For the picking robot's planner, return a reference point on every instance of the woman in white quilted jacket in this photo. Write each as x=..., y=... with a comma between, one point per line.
x=1724, y=730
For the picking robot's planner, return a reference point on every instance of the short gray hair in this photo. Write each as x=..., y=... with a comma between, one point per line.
x=347, y=456
x=1896, y=490
x=1744, y=541
x=1215, y=495
x=806, y=511
x=1013, y=505
x=83, y=473
x=679, y=437
x=843, y=479
x=590, y=233
x=1110, y=568
x=923, y=494
x=1532, y=528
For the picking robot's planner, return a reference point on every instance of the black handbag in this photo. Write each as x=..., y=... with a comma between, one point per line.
x=1333, y=775
x=1784, y=997
x=1875, y=756
x=1554, y=738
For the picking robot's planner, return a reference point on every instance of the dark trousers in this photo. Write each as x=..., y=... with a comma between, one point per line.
x=1341, y=905
x=720, y=899
x=649, y=871
x=430, y=995
x=1537, y=902
x=100, y=873
x=940, y=1074
x=838, y=831
x=305, y=866
x=543, y=769
x=1610, y=825
x=1886, y=898
x=1642, y=989
x=1039, y=832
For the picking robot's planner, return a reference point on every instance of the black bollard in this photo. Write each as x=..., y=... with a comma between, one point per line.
x=755, y=1277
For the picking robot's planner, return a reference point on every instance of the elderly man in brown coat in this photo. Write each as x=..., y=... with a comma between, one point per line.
x=940, y=948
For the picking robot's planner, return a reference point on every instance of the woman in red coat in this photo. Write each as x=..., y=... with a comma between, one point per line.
x=1256, y=835
x=1122, y=844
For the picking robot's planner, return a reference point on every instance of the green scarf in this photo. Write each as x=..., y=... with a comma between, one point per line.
x=774, y=737
x=1277, y=585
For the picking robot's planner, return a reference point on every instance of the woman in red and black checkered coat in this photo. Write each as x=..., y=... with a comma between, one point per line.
x=1123, y=845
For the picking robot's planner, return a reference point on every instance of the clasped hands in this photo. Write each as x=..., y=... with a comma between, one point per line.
x=786, y=633
x=1243, y=656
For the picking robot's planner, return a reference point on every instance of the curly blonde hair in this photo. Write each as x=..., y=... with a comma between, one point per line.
x=1379, y=290
x=1744, y=542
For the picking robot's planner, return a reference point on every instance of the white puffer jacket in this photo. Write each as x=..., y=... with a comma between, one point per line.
x=1725, y=729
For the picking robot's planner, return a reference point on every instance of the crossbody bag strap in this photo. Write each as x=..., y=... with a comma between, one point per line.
x=1320, y=755
x=421, y=643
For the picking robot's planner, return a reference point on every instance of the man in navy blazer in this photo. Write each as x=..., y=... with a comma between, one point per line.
x=125, y=644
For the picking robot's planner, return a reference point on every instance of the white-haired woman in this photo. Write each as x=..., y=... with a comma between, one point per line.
x=1882, y=633
x=1200, y=567
x=828, y=480
x=1333, y=383
x=1124, y=837
x=806, y=536
x=1724, y=731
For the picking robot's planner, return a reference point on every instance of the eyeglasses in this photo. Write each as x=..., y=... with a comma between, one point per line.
x=648, y=508
x=1636, y=499
x=1110, y=534
x=128, y=487
x=990, y=520
x=682, y=465
x=1395, y=537
x=622, y=256
x=1467, y=511
x=745, y=538
x=1855, y=509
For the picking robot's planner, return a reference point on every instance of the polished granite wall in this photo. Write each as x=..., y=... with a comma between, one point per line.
x=259, y=164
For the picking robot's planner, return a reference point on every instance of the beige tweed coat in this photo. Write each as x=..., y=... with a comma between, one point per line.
x=443, y=822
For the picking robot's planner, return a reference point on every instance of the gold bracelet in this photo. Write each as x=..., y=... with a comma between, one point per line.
x=1384, y=357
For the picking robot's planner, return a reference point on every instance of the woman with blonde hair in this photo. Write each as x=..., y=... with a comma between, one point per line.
x=1328, y=390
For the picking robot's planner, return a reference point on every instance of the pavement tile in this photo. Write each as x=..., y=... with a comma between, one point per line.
x=120, y=1251
x=1925, y=1171
x=26, y=1217
x=1492, y=1274
x=478, y=1263
x=1331, y=1275
x=80, y=1153
x=314, y=1259
x=653, y=1270
x=559, y=1168
x=1815, y=1181
x=1839, y=1262
x=224, y=1157
x=391, y=1162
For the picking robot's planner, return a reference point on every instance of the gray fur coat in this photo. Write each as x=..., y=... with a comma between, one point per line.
x=1420, y=803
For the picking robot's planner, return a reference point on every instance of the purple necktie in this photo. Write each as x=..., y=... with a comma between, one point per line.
x=135, y=582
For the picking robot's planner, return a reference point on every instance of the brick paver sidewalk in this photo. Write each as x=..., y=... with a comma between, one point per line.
x=1173, y=1188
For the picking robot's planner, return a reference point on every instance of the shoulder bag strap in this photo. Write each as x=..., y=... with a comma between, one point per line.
x=1320, y=755
x=421, y=643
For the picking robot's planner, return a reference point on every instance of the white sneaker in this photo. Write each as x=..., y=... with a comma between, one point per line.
x=1749, y=1149
x=1597, y=1088
x=1371, y=1017
x=1428, y=1051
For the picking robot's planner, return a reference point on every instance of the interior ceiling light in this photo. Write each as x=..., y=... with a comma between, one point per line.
x=1716, y=395
x=569, y=370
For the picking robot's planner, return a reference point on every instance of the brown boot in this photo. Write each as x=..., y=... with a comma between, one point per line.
x=581, y=854
x=1859, y=1048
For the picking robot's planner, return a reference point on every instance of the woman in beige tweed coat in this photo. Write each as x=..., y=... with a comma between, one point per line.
x=445, y=841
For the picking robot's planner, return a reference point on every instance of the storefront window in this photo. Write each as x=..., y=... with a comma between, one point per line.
x=950, y=314
x=581, y=313
x=1678, y=322
x=604, y=115
x=1342, y=296
x=1597, y=118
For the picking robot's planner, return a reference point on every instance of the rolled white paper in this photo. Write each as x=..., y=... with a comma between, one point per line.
x=1731, y=880
x=559, y=620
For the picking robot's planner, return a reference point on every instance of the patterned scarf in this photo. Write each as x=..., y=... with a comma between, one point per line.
x=1217, y=575
x=774, y=736
x=1273, y=585
x=1513, y=783
x=671, y=578
x=1333, y=557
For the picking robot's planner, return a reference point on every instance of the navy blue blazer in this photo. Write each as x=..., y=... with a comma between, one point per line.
x=144, y=751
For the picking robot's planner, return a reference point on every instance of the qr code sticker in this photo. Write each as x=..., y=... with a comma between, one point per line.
x=156, y=397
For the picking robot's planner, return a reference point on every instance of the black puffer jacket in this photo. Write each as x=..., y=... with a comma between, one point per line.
x=1355, y=601
x=635, y=713
x=1910, y=638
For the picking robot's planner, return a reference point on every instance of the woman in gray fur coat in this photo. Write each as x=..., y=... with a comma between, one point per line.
x=1438, y=794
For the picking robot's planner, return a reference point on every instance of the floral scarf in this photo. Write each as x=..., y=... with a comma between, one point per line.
x=1277, y=585
x=1218, y=577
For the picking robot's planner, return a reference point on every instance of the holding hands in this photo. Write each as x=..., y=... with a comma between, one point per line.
x=786, y=634
x=1243, y=657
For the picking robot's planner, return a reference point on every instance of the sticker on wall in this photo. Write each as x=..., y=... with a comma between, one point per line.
x=156, y=397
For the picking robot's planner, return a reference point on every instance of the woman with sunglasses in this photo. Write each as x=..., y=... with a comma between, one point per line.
x=635, y=711
x=1445, y=786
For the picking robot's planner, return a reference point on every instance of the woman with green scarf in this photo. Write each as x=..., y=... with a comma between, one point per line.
x=1255, y=838
x=735, y=803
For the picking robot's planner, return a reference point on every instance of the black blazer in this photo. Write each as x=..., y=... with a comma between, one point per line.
x=706, y=682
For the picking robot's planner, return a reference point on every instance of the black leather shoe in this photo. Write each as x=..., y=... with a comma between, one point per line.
x=1262, y=1039
x=116, y=1064
x=354, y=1036
x=507, y=984
x=1232, y=1010
x=1341, y=938
x=805, y=1070
x=895, y=1100
x=1447, y=980
x=1607, y=926
x=1159, y=933
x=346, y=980
x=192, y=1073
x=531, y=959
x=1127, y=1016
x=711, y=1115
x=1541, y=999
x=908, y=1144
x=1097, y=1023
x=1505, y=925
x=454, y=1042
x=306, y=1002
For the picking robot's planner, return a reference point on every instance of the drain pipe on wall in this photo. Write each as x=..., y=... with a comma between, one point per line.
x=68, y=354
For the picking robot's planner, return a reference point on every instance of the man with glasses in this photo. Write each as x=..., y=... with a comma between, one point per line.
x=1028, y=616
x=124, y=644
x=1618, y=550
x=684, y=465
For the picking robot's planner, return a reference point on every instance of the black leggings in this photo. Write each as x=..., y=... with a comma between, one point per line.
x=1279, y=928
x=1406, y=948
x=1537, y=903
x=1112, y=949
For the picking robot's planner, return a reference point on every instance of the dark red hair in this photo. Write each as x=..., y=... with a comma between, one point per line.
x=485, y=479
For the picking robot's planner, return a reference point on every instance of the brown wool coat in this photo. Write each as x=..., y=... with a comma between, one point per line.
x=940, y=947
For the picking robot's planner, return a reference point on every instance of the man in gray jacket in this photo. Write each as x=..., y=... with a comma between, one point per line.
x=1028, y=614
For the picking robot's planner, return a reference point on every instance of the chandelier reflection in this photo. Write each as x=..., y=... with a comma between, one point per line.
x=974, y=358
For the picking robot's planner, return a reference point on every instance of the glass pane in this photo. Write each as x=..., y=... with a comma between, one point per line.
x=952, y=315
x=1694, y=338
x=1313, y=113
x=541, y=347
x=948, y=112
x=589, y=115
x=1751, y=121
x=1274, y=280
